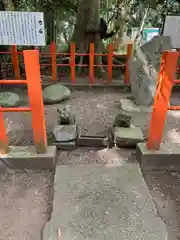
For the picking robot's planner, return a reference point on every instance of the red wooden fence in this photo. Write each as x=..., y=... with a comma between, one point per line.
x=161, y=105
x=33, y=82
x=54, y=65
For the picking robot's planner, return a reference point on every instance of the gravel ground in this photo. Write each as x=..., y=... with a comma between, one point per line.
x=95, y=111
x=165, y=188
x=94, y=156
x=25, y=198
x=25, y=204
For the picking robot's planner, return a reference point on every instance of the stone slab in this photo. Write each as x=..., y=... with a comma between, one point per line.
x=65, y=145
x=128, y=136
x=144, y=68
x=65, y=133
x=166, y=159
x=143, y=80
x=25, y=157
x=129, y=106
x=153, y=49
x=102, y=202
x=92, y=141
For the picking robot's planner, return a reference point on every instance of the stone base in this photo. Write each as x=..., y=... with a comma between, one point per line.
x=25, y=157
x=65, y=145
x=163, y=160
x=92, y=141
x=129, y=106
x=128, y=137
x=65, y=133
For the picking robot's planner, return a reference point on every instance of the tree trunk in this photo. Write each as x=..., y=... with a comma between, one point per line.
x=50, y=26
x=87, y=31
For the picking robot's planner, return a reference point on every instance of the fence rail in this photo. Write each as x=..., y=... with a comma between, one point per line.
x=72, y=63
x=33, y=81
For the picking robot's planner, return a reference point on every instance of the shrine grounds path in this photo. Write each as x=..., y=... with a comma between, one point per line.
x=26, y=197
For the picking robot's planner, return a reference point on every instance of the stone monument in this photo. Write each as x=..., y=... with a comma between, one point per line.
x=144, y=68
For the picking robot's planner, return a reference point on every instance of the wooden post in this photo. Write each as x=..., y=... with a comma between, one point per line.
x=162, y=98
x=129, y=55
x=178, y=67
x=72, y=62
x=15, y=62
x=53, y=58
x=91, y=63
x=3, y=137
x=110, y=62
x=32, y=66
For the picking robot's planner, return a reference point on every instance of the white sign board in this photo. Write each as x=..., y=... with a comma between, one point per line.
x=22, y=28
x=172, y=29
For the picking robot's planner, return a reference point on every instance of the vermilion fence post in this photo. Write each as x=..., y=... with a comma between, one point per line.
x=3, y=137
x=31, y=60
x=53, y=57
x=91, y=63
x=162, y=98
x=72, y=62
x=129, y=55
x=15, y=62
x=110, y=62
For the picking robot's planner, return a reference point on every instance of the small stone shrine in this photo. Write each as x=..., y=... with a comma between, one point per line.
x=144, y=68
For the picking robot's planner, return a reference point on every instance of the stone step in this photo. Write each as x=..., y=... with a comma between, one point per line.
x=128, y=137
x=99, y=202
x=92, y=141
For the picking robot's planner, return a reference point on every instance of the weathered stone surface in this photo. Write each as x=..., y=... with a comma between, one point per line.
x=92, y=141
x=99, y=202
x=25, y=157
x=143, y=82
x=66, y=145
x=128, y=136
x=55, y=93
x=122, y=120
x=154, y=48
x=8, y=99
x=144, y=68
x=65, y=133
x=66, y=117
x=129, y=106
x=167, y=158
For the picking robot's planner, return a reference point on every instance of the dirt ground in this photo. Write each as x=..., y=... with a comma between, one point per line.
x=165, y=188
x=25, y=197
x=25, y=204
